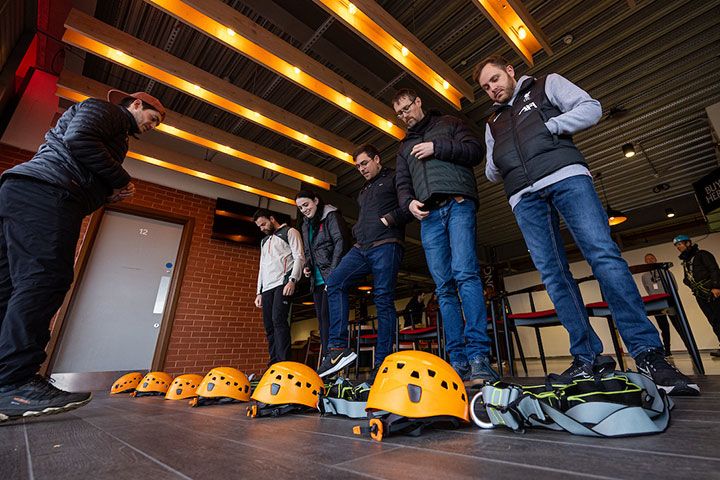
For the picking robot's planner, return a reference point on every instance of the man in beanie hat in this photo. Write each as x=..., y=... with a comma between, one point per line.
x=42, y=204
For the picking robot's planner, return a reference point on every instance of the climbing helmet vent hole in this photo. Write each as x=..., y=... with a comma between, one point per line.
x=415, y=374
x=400, y=365
x=431, y=373
x=278, y=377
x=462, y=396
x=298, y=384
x=307, y=384
x=291, y=376
x=444, y=384
x=455, y=386
x=385, y=370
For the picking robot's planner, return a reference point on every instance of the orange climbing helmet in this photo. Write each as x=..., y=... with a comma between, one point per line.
x=126, y=383
x=183, y=387
x=418, y=384
x=222, y=384
x=154, y=383
x=288, y=383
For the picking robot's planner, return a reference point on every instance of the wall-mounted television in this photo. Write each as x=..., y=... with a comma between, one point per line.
x=234, y=222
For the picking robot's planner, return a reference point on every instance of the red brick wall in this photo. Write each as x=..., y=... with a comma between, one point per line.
x=216, y=322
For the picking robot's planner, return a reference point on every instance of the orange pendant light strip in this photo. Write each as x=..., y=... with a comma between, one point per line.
x=387, y=35
x=89, y=34
x=227, y=25
x=77, y=88
x=517, y=26
x=154, y=155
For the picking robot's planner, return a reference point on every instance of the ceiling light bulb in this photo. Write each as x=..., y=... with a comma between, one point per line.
x=389, y=124
x=446, y=85
x=352, y=9
x=118, y=53
x=296, y=70
x=522, y=33
x=669, y=212
x=231, y=32
x=628, y=150
x=348, y=100
x=404, y=51
x=196, y=87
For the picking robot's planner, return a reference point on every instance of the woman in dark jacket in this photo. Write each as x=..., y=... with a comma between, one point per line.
x=326, y=239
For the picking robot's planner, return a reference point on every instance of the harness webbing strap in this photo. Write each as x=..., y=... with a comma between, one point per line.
x=619, y=404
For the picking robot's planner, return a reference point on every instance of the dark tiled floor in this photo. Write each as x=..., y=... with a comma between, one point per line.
x=121, y=437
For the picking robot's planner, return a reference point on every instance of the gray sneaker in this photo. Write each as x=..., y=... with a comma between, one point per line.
x=481, y=372
x=462, y=369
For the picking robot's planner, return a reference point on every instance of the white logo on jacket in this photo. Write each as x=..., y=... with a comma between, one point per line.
x=526, y=97
x=527, y=108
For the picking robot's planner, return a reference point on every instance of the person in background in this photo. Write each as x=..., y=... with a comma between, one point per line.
x=702, y=275
x=432, y=310
x=326, y=239
x=653, y=286
x=281, y=263
x=42, y=205
x=414, y=310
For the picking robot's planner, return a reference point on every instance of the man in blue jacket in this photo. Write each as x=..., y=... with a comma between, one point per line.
x=530, y=148
x=436, y=180
x=379, y=234
x=42, y=204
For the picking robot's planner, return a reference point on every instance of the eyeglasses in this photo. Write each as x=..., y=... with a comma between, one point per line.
x=406, y=109
x=362, y=164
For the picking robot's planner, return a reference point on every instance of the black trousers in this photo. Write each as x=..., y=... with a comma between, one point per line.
x=323, y=315
x=276, y=310
x=711, y=309
x=39, y=230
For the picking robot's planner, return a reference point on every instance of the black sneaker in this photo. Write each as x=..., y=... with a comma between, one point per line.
x=481, y=372
x=36, y=397
x=653, y=364
x=579, y=369
x=336, y=360
x=373, y=373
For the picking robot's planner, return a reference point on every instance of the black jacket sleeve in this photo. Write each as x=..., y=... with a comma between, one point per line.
x=401, y=215
x=337, y=228
x=305, y=235
x=86, y=137
x=403, y=182
x=711, y=265
x=464, y=148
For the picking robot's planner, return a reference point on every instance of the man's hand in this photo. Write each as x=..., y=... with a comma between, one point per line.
x=120, y=194
x=258, y=301
x=422, y=151
x=289, y=289
x=715, y=292
x=415, y=208
x=306, y=271
x=384, y=222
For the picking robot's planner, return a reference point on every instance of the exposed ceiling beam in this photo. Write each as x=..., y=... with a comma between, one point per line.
x=236, y=31
x=92, y=35
x=514, y=22
x=392, y=39
x=211, y=172
x=76, y=88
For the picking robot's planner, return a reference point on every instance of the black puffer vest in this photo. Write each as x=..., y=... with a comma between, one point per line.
x=525, y=151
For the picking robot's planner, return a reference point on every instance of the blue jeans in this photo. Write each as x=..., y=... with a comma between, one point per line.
x=383, y=262
x=575, y=199
x=448, y=237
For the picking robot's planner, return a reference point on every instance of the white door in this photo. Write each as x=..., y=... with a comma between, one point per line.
x=115, y=319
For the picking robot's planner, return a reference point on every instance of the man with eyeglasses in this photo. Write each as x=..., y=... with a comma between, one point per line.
x=379, y=234
x=437, y=185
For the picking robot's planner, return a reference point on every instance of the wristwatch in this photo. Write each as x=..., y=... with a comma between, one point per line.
x=293, y=280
